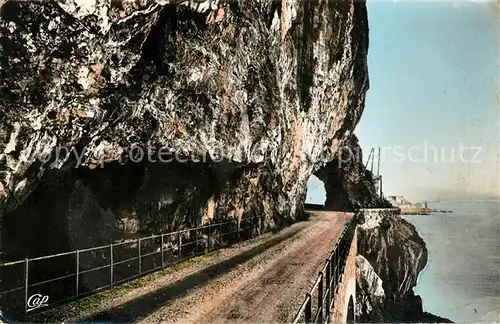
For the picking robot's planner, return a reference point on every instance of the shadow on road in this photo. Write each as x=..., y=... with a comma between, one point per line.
x=145, y=305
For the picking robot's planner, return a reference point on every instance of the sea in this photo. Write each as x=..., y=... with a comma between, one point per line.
x=461, y=280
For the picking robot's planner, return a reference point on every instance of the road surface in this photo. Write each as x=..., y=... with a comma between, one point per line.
x=260, y=280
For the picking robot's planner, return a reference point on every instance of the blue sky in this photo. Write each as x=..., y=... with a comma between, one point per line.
x=434, y=82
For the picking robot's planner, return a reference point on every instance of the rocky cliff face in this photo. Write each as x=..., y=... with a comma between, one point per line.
x=370, y=299
x=243, y=99
x=397, y=254
x=392, y=254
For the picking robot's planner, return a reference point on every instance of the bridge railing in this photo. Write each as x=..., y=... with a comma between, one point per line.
x=113, y=264
x=319, y=300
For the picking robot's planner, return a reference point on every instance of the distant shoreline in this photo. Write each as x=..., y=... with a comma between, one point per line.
x=495, y=200
x=424, y=213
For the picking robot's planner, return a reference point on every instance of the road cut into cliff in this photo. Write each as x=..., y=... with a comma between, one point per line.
x=260, y=280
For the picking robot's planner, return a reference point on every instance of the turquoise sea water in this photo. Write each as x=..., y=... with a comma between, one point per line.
x=462, y=278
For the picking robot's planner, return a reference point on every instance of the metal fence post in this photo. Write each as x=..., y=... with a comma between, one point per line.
x=339, y=272
x=328, y=288
x=334, y=278
x=111, y=265
x=179, y=244
x=77, y=284
x=238, y=228
x=26, y=278
x=337, y=266
x=342, y=255
x=196, y=241
x=208, y=237
x=339, y=261
x=220, y=235
x=320, y=297
x=308, y=310
x=161, y=250
x=139, y=254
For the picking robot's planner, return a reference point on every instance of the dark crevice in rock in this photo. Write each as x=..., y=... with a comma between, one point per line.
x=338, y=28
x=305, y=53
x=275, y=7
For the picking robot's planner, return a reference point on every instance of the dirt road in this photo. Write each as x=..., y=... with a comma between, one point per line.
x=260, y=280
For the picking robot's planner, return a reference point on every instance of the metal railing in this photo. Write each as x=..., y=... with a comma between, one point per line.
x=111, y=264
x=319, y=300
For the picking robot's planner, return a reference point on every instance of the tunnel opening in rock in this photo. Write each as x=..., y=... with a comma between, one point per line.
x=316, y=193
x=337, y=192
x=348, y=184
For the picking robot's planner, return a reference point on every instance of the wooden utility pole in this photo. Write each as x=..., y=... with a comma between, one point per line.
x=368, y=160
x=378, y=162
x=373, y=158
x=381, y=192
